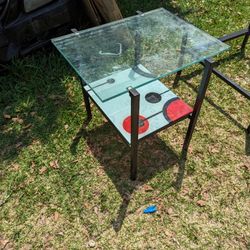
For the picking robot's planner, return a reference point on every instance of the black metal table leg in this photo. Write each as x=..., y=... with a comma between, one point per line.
x=243, y=45
x=86, y=101
x=248, y=130
x=135, y=105
x=177, y=78
x=198, y=103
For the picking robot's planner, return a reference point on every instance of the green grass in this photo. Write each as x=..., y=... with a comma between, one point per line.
x=67, y=188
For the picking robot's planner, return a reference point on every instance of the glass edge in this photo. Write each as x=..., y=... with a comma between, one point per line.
x=227, y=47
x=56, y=39
x=68, y=61
x=196, y=61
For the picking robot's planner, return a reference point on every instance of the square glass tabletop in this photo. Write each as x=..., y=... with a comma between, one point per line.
x=135, y=51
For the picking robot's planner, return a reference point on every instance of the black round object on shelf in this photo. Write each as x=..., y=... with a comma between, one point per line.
x=153, y=97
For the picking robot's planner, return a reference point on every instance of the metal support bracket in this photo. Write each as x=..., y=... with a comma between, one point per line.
x=243, y=45
x=246, y=34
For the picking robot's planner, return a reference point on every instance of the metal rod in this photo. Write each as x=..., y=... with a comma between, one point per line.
x=232, y=83
x=86, y=101
x=243, y=45
x=177, y=78
x=248, y=130
x=233, y=35
x=135, y=105
x=197, y=106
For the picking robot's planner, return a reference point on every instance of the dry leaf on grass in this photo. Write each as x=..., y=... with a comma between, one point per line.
x=96, y=210
x=170, y=211
x=15, y=167
x=6, y=116
x=147, y=188
x=201, y=203
x=54, y=164
x=32, y=167
x=185, y=191
x=205, y=196
x=87, y=205
x=56, y=216
x=42, y=170
x=246, y=165
x=17, y=120
x=4, y=244
x=190, y=149
x=213, y=149
x=26, y=247
x=169, y=233
x=91, y=244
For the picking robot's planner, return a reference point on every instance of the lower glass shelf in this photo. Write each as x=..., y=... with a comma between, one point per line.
x=159, y=107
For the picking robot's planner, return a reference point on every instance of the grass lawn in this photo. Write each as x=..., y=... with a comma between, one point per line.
x=64, y=187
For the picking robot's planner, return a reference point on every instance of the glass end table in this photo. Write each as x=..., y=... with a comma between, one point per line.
x=120, y=64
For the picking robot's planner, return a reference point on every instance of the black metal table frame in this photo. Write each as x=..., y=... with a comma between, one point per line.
x=135, y=101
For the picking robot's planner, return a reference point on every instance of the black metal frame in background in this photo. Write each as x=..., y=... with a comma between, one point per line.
x=135, y=101
x=226, y=38
x=231, y=83
x=237, y=87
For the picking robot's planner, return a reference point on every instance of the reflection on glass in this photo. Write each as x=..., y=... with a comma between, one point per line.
x=135, y=51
